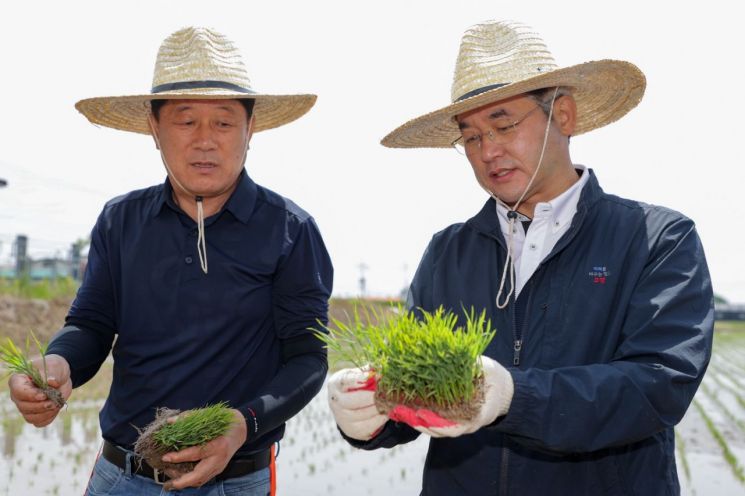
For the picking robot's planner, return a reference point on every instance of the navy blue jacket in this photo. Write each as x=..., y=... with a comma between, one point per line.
x=616, y=338
x=184, y=339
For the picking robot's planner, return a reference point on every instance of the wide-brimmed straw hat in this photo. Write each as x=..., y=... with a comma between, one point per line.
x=499, y=60
x=195, y=63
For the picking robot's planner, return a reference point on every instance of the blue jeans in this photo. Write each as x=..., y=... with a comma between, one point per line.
x=109, y=480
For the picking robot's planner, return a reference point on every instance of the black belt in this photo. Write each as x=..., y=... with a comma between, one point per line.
x=237, y=467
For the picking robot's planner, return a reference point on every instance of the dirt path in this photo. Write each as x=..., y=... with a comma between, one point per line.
x=18, y=316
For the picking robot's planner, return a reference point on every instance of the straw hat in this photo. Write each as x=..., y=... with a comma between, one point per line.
x=195, y=63
x=498, y=60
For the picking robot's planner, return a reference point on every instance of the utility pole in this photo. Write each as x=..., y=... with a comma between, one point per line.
x=22, y=265
x=75, y=260
x=362, y=281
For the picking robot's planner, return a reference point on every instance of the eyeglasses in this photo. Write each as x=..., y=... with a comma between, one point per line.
x=501, y=133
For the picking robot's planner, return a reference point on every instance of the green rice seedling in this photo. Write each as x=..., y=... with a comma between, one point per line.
x=734, y=391
x=193, y=428
x=419, y=359
x=17, y=361
x=714, y=397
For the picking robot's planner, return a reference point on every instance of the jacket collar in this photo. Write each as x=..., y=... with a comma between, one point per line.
x=487, y=222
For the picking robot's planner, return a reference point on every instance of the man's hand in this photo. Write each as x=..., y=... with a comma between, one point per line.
x=497, y=398
x=33, y=404
x=212, y=457
x=352, y=401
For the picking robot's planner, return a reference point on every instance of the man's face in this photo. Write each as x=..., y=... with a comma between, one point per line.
x=204, y=143
x=506, y=156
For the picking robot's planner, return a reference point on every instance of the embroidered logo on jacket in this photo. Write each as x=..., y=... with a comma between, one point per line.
x=599, y=274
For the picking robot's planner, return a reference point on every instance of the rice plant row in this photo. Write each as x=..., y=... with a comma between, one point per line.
x=680, y=448
x=715, y=399
x=729, y=457
x=730, y=353
x=728, y=387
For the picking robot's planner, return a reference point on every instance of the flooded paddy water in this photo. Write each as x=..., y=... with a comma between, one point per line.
x=314, y=460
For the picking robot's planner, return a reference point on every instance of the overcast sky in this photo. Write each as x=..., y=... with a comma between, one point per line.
x=374, y=65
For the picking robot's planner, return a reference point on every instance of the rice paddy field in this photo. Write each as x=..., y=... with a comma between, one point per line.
x=314, y=460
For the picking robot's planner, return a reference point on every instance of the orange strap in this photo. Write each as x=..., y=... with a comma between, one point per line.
x=273, y=473
x=93, y=469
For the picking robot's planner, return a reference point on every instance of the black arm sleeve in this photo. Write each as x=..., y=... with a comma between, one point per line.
x=298, y=381
x=85, y=345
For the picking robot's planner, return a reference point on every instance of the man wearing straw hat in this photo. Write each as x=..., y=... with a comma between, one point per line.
x=209, y=282
x=602, y=305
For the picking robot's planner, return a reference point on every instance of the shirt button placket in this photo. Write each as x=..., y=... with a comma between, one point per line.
x=188, y=259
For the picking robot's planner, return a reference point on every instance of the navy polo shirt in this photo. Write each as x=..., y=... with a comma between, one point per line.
x=185, y=339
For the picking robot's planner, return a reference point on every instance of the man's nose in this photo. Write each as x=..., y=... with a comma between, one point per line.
x=204, y=138
x=490, y=147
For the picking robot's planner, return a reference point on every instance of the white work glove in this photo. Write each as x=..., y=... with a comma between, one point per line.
x=499, y=389
x=352, y=401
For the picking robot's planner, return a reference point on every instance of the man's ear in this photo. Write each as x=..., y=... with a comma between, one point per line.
x=565, y=114
x=251, y=122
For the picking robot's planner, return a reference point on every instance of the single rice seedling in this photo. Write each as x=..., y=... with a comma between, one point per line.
x=18, y=362
x=193, y=428
x=418, y=359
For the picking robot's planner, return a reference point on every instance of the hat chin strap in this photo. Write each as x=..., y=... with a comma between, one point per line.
x=199, y=199
x=509, y=266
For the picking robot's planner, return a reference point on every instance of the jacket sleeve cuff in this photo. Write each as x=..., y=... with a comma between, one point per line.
x=522, y=409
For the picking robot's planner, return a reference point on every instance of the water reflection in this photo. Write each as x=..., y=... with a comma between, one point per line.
x=65, y=429
x=12, y=427
x=53, y=460
x=313, y=459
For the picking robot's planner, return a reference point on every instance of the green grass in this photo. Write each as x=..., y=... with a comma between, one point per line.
x=724, y=326
x=431, y=360
x=44, y=289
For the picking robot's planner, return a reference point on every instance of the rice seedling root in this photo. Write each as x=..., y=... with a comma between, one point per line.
x=463, y=411
x=152, y=451
x=194, y=428
x=54, y=396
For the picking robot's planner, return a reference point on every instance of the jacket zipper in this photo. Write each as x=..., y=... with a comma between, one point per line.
x=517, y=339
x=517, y=346
x=517, y=334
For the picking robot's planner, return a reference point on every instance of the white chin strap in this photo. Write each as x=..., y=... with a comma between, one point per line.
x=509, y=266
x=201, y=238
